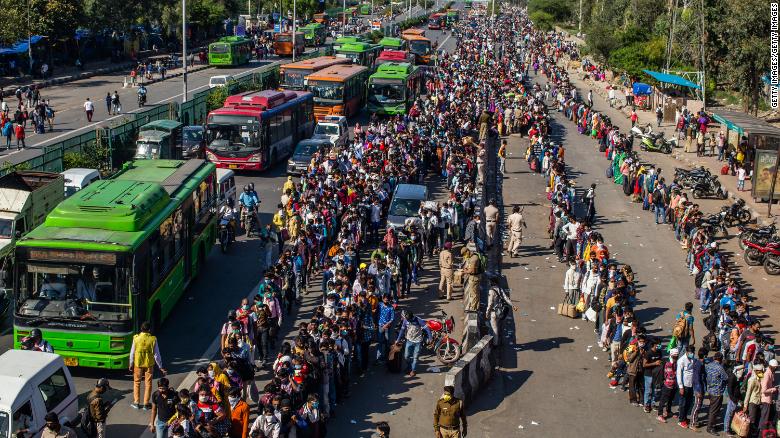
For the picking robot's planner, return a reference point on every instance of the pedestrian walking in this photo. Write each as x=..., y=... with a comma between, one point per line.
x=502, y=157
x=89, y=109
x=498, y=305
x=8, y=132
x=449, y=416
x=164, y=401
x=108, y=103
x=659, y=115
x=144, y=354
x=515, y=223
x=413, y=331
x=98, y=407
x=491, y=222
x=116, y=105
x=20, y=135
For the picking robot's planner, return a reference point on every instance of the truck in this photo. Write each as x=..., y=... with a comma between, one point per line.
x=161, y=139
x=26, y=197
x=332, y=128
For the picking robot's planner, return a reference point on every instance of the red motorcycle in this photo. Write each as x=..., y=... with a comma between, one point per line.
x=765, y=253
x=447, y=349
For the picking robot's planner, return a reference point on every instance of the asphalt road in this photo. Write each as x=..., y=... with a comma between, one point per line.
x=188, y=337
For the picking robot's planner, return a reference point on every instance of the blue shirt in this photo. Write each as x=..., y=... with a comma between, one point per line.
x=716, y=378
x=698, y=376
x=386, y=314
x=618, y=332
x=247, y=200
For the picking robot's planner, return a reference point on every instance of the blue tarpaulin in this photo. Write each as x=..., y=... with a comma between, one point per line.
x=642, y=89
x=671, y=79
x=19, y=46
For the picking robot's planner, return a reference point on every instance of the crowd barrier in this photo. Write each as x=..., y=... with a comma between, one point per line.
x=473, y=371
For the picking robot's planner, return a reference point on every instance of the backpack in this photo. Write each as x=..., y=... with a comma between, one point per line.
x=698, y=279
x=681, y=329
x=658, y=197
x=711, y=322
x=87, y=423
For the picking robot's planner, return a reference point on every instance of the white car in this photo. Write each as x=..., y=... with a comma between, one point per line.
x=220, y=81
x=334, y=129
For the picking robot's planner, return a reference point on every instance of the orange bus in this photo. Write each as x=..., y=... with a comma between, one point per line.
x=322, y=18
x=421, y=47
x=291, y=75
x=283, y=45
x=436, y=21
x=413, y=32
x=339, y=90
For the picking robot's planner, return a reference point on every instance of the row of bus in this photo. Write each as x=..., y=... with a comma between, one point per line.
x=441, y=20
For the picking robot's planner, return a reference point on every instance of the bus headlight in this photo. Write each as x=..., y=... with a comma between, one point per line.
x=256, y=158
x=211, y=157
x=117, y=343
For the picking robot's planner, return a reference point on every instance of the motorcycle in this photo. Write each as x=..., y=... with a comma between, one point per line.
x=715, y=223
x=141, y=99
x=756, y=235
x=756, y=253
x=772, y=261
x=226, y=235
x=446, y=348
x=689, y=178
x=250, y=223
x=709, y=188
x=737, y=214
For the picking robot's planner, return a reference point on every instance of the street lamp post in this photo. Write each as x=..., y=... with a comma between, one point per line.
x=184, y=48
x=29, y=39
x=344, y=18
x=293, y=33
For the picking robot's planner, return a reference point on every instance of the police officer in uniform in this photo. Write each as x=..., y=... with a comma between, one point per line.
x=449, y=417
x=516, y=225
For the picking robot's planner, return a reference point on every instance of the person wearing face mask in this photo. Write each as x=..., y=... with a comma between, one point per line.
x=449, y=416
x=265, y=425
x=308, y=419
x=239, y=414
x=53, y=428
x=163, y=408
x=211, y=420
x=685, y=385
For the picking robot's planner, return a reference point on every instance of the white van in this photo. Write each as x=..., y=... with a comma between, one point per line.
x=226, y=188
x=220, y=80
x=78, y=178
x=33, y=384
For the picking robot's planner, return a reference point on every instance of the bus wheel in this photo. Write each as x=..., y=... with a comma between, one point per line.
x=156, y=319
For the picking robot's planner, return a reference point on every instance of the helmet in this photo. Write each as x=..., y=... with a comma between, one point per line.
x=252, y=186
x=246, y=189
x=36, y=333
x=407, y=315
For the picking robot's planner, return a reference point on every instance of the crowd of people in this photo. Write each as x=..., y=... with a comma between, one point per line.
x=734, y=364
x=30, y=107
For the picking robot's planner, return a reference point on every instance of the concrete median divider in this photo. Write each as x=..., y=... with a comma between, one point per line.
x=473, y=370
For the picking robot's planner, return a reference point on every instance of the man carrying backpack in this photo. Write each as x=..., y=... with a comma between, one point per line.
x=97, y=408
x=683, y=328
x=659, y=202
x=498, y=306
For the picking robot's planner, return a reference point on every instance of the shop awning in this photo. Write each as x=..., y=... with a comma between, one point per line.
x=19, y=46
x=745, y=123
x=640, y=89
x=669, y=78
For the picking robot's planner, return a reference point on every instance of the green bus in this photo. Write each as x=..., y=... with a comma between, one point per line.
x=314, y=34
x=365, y=9
x=230, y=51
x=393, y=43
x=394, y=87
x=118, y=252
x=340, y=41
x=453, y=16
x=360, y=53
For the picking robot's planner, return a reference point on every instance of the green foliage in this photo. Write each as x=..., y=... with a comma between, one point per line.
x=92, y=156
x=745, y=24
x=559, y=10
x=602, y=41
x=53, y=18
x=542, y=20
x=216, y=98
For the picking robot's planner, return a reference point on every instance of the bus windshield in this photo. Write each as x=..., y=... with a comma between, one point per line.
x=219, y=48
x=326, y=91
x=146, y=150
x=73, y=290
x=233, y=138
x=283, y=38
x=420, y=47
x=386, y=93
x=294, y=78
x=6, y=228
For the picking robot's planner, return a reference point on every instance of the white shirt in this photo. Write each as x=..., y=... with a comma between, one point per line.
x=741, y=173
x=89, y=106
x=571, y=281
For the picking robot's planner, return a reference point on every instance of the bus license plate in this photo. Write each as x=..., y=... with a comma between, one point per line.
x=232, y=166
x=71, y=361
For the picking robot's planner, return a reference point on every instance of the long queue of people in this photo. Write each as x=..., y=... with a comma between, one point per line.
x=735, y=362
x=331, y=228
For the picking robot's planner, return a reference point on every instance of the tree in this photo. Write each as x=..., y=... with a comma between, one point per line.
x=53, y=18
x=747, y=22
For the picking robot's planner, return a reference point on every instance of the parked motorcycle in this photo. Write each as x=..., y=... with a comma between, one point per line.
x=756, y=253
x=737, y=214
x=709, y=188
x=772, y=262
x=715, y=223
x=446, y=348
x=756, y=235
x=689, y=178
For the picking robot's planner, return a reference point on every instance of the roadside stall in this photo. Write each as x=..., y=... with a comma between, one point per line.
x=674, y=92
x=643, y=95
x=760, y=142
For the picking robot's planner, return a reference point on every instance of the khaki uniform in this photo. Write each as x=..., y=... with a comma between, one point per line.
x=491, y=220
x=471, y=289
x=516, y=224
x=448, y=417
x=446, y=272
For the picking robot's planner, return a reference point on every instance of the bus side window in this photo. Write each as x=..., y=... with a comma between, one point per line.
x=155, y=259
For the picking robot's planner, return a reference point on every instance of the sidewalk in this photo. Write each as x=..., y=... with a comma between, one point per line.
x=686, y=159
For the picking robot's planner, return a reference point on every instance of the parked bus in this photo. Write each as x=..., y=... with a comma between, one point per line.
x=347, y=40
x=292, y=75
x=393, y=56
x=421, y=47
x=393, y=43
x=453, y=16
x=394, y=88
x=283, y=45
x=339, y=90
x=436, y=21
x=365, y=9
x=117, y=253
x=413, y=32
x=252, y=131
x=322, y=18
x=230, y=51
x=360, y=53
x=314, y=34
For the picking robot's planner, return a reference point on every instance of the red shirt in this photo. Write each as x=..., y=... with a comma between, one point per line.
x=19, y=131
